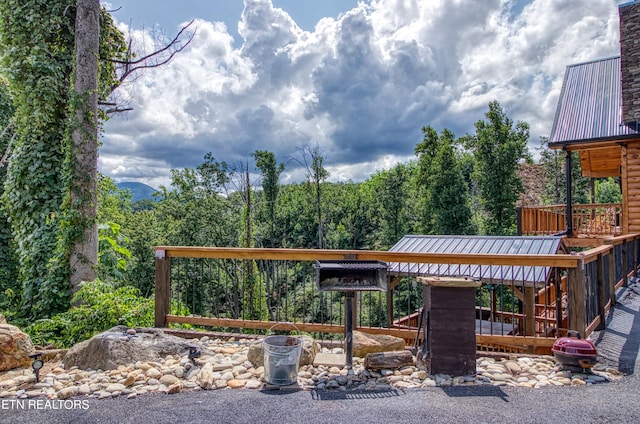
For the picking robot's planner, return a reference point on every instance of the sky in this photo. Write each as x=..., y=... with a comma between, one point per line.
x=358, y=79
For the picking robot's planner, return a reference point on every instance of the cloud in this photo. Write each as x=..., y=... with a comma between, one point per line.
x=360, y=86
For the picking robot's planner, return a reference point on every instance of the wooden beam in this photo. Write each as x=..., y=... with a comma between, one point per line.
x=557, y=260
x=266, y=325
x=515, y=340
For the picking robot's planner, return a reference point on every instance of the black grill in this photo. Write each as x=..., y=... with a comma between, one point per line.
x=351, y=275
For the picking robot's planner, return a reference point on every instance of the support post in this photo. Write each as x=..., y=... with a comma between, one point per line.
x=569, y=222
x=529, y=311
x=577, y=300
x=348, y=327
x=612, y=277
x=625, y=263
x=603, y=286
x=163, y=284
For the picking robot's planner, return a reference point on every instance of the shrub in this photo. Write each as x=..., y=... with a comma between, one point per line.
x=98, y=306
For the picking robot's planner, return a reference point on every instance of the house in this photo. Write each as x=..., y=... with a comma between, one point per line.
x=598, y=116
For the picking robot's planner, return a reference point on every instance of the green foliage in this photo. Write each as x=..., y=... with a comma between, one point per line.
x=9, y=285
x=608, y=191
x=446, y=193
x=555, y=177
x=390, y=194
x=498, y=147
x=37, y=40
x=270, y=170
x=112, y=255
x=98, y=306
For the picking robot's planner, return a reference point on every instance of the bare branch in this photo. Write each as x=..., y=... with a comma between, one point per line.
x=5, y=156
x=118, y=110
x=128, y=68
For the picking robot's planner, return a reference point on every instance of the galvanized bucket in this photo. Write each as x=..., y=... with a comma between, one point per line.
x=281, y=359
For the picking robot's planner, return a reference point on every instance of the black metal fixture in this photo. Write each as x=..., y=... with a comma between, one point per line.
x=349, y=277
x=193, y=354
x=37, y=364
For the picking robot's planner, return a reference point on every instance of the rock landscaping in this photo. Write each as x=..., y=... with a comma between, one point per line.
x=225, y=364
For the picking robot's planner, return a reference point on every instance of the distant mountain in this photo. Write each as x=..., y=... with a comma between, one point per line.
x=139, y=191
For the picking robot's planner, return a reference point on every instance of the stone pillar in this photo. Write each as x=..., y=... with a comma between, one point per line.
x=630, y=62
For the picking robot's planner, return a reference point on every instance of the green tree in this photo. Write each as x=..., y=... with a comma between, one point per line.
x=9, y=289
x=608, y=191
x=270, y=170
x=391, y=192
x=555, y=177
x=447, y=209
x=37, y=46
x=498, y=147
x=312, y=159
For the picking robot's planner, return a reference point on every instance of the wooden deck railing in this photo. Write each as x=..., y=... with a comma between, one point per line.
x=257, y=288
x=588, y=220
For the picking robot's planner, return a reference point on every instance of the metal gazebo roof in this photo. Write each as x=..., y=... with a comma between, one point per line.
x=498, y=274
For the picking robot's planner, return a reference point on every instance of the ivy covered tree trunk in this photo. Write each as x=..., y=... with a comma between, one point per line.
x=84, y=149
x=35, y=37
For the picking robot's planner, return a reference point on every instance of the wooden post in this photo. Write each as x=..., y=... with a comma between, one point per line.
x=529, y=311
x=601, y=294
x=163, y=288
x=625, y=264
x=349, y=319
x=576, y=299
x=519, y=220
x=612, y=277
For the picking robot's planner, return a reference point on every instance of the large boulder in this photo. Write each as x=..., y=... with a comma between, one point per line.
x=122, y=346
x=309, y=349
x=15, y=347
x=364, y=343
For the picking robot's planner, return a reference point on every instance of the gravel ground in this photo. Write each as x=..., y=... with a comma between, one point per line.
x=615, y=402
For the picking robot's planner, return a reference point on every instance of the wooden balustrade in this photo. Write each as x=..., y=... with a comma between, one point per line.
x=588, y=220
x=583, y=280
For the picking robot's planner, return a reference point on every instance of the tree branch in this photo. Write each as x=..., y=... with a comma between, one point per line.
x=130, y=66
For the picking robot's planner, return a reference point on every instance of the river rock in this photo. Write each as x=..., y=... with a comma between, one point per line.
x=15, y=348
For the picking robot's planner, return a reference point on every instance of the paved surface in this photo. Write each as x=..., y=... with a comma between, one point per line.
x=615, y=402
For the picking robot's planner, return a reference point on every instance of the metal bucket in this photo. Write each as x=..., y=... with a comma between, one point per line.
x=281, y=359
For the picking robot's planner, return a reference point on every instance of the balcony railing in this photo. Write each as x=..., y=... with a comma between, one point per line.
x=234, y=288
x=588, y=220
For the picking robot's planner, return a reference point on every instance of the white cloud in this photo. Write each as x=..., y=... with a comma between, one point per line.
x=361, y=86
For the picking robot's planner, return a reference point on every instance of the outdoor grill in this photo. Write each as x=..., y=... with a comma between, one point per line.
x=350, y=276
x=575, y=352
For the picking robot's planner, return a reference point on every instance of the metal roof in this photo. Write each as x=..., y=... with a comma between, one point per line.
x=590, y=104
x=498, y=274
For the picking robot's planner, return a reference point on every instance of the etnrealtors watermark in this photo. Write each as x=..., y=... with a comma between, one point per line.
x=24, y=404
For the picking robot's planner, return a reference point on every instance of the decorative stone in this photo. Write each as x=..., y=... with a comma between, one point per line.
x=205, y=376
x=169, y=379
x=111, y=348
x=15, y=348
x=174, y=388
x=116, y=387
x=364, y=343
x=236, y=384
x=153, y=373
x=67, y=392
